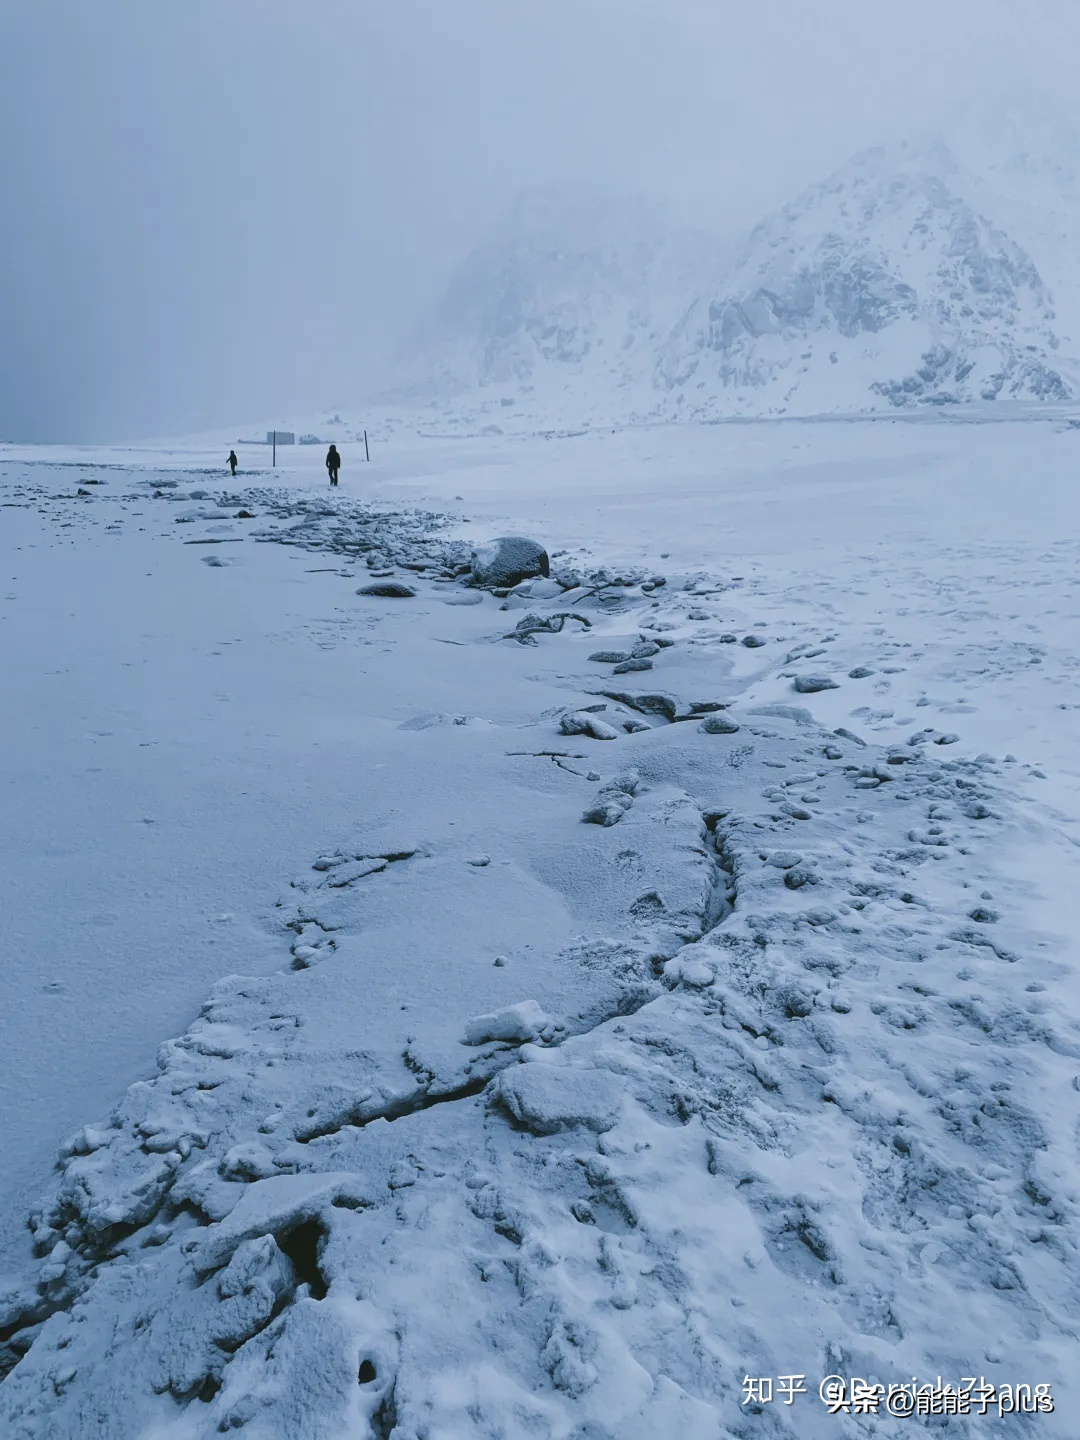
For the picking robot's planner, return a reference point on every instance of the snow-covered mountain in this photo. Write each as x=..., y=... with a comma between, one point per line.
x=1016, y=158
x=935, y=272
x=563, y=308
x=879, y=287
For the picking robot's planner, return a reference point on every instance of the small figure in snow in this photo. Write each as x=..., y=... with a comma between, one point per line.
x=233, y=462
x=333, y=463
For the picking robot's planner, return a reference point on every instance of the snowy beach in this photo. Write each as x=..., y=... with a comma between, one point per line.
x=446, y=1032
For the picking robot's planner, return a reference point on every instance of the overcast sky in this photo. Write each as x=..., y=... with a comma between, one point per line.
x=226, y=211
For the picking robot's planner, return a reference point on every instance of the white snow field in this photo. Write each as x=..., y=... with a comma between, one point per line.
x=448, y=1033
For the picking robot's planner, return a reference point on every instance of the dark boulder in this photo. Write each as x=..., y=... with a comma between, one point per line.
x=507, y=561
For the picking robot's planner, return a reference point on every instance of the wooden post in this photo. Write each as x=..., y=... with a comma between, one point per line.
x=367, y=452
x=273, y=459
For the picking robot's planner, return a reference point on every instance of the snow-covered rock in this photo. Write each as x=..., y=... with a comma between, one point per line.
x=508, y=560
x=877, y=288
x=522, y=1021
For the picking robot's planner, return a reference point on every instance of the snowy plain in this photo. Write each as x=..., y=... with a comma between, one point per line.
x=798, y=1091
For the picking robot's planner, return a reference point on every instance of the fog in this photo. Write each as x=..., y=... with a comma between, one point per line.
x=218, y=213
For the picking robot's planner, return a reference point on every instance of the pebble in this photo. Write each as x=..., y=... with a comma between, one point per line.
x=752, y=642
x=718, y=724
x=811, y=684
x=388, y=590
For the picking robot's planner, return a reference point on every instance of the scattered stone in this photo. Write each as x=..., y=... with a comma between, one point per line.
x=649, y=704
x=849, y=735
x=833, y=752
x=541, y=589
x=507, y=561
x=579, y=722
x=798, y=876
x=718, y=724
x=244, y=515
x=613, y=800
x=626, y=666
x=664, y=642
x=728, y=638
x=644, y=650
x=609, y=657
x=388, y=590
x=811, y=684
x=983, y=916
x=949, y=739
x=859, y=673
x=752, y=642
x=706, y=707
x=480, y=860
x=784, y=859
x=514, y=1023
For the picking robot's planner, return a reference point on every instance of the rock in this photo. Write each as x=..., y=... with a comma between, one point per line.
x=648, y=704
x=549, y=1098
x=625, y=666
x=949, y=739
x=706, y=707
x=613, y=800
x=388, y=590
x=539, y=589
x=509, y=560
x=579, y=722
x=644, y=650
x=718, y=724
x=752, y=642
x=859, y=673
x=849, y=735
x=604, y=812
x=609, y=657
x=480, y=861
x=728, y=638
x=811, y=684
x=784, y=859
x=662, y=641
x=519, y=1022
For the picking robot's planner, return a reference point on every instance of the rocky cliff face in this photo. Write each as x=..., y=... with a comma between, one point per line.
x=878, y=288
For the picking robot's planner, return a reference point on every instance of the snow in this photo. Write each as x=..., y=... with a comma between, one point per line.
x=469, y=1117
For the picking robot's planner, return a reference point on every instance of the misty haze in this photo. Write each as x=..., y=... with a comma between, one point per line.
x=541, y=809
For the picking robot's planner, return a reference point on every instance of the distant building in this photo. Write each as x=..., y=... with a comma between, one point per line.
x=284, y=437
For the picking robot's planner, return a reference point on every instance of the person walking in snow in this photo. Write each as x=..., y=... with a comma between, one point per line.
x=233, y=462
x=333, y=463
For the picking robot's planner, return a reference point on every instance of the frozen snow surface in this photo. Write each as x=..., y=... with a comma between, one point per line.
x=655, y=976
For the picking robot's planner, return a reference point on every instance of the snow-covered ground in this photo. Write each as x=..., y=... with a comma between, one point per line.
x=502, y=1123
